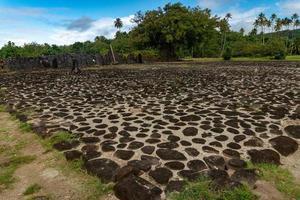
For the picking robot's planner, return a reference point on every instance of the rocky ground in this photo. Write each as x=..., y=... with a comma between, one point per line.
x=165, y=124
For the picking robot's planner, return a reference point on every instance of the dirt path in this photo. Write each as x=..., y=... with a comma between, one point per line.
x=48, y=170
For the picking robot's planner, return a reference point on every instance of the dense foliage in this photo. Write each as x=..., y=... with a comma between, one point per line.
x=176, y=31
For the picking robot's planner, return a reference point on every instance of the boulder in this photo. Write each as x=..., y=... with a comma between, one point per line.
x=136, y=188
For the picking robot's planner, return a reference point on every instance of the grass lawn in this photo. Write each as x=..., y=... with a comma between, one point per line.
x=288, y=58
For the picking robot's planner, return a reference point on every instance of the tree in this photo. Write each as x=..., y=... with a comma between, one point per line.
x=224, y=29
x=262, y=22
x=118, y=23
x=242, y=31
x=176, y=31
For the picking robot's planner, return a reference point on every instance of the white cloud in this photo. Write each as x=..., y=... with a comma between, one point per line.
x=244, y=19
x=101, y=27
x=61, y=35
x=216, y=4
x=289, y=6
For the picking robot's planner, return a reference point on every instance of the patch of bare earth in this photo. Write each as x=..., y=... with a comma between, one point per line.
x=45, y=170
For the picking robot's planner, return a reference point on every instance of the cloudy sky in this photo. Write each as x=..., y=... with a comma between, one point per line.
x=67, y=21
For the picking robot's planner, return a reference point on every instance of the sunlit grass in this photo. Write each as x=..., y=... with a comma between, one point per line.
x=281, y=178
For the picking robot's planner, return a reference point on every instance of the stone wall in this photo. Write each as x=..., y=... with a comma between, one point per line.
x=65, y=61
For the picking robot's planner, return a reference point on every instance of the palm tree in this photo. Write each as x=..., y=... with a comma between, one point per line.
x=242, y=31
x=261, y=21
x=224, y=28
x=278, y=24
x=297, y=23
x=118, y=23
x=273, y=19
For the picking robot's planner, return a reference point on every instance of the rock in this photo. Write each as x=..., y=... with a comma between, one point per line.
x=168, y=154
x=284, y=145
x=190, y=175
x=190, y=131
x=175, y=186
x=219, y=177
x=73, y=155
x=254, y=142
x=161, y=175
x=150, y=159
x=103, y=168
x=190, y=118
x=124, y=154
x=136, y=188
x=293, y=130
x=144, y=165
x=215, y=162
x=264, y=156
x=65, y=145
x=245, y=175
x=175, y=165
x=40, y=129
x=236, y=163
x=124, y=172
x=196, y=165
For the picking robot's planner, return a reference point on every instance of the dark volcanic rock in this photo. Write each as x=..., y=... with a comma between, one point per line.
x=215, y=162
x=168, y=154
x=144, y=165
x=245, y=175
x=103, y=168
x=73, y=155
x=236, y=163
x=175, y=186
x=293, y=130
x=196, y=165
x=124, y=154
x=161, y=175
x=190, y=131
x=136, y=188
x=284, y=145
x=189, y=118
x=264, y=156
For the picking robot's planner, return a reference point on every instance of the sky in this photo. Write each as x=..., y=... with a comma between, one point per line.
x=67, y=21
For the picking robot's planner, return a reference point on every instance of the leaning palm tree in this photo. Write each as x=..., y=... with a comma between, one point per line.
x=118, y=23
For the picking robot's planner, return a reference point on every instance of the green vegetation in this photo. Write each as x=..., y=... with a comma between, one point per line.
x=56, y=138
x=7, y=169
x=25, y=127
x=177, y=31
x=34, y=188
x=281, y=178
x=202, y=189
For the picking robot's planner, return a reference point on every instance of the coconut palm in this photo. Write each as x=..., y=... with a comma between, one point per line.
x=273, y=19
x=262, y=22
x=224, y=28
x=118, y=23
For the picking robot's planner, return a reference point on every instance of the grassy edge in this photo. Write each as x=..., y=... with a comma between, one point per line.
x=93, y=187
x=203, y=189
x=281, y=178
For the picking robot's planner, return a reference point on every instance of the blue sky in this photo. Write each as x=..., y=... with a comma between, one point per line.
x=67, y=21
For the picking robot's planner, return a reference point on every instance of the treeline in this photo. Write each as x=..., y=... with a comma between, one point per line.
x=176, y=31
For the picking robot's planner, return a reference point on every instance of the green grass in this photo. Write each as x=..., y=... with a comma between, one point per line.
x=34, y=188
x=56, y=138
x=283, y=180
x=202, y=189
x=7, y=170
x=2, y=108
x=25, y=127
x=293, y=58
x=97, y=189
x=288, y=58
